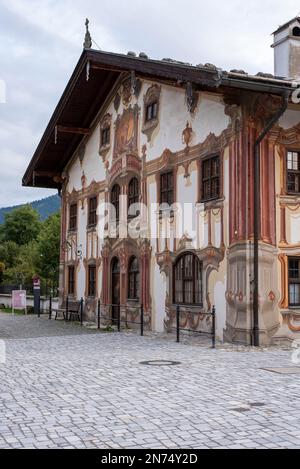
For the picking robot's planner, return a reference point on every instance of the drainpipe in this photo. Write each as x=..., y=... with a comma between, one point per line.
x=257, y=214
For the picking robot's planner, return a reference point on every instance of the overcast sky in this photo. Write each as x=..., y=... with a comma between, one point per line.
x=41, y=41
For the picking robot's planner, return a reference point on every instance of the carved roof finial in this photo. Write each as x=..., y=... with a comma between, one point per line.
x=88, y=39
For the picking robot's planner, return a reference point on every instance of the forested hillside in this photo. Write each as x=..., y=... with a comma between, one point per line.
x=45, y=207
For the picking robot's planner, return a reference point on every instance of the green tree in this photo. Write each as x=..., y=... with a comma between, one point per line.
x=48, y=247
x=21, y=226
x=2, y=269
x=1, y=234
x=23, y=268
x=9, y=252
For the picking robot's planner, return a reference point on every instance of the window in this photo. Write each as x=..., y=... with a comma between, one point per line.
x=188, y=280
x=296, y=31
x=294, y=281
x=71, y=280
x=151, y=111
x=133, y=279
x=92, y=281
x=105, y=136
x=115, y=201
x=211, y=178
x=93, y=211
x=73, y=218
x=133, y=195
x=167, y=188
x=293, y=172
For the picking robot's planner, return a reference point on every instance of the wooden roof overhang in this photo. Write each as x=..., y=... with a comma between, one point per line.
x=94, y=77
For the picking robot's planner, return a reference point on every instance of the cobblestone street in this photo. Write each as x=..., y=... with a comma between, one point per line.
x=67, y=387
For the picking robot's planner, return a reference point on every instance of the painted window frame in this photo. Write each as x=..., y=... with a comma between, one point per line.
x=133, y=198
x=188, y=279
x=73, y=225
x=292, y=172
x=92, y=281
x=204, y=180
x=115, y=201
x=92, y=212
x=133, y=280
x=168, y=190
x=105, y=136
x=153, y=107
x=293, y=281
x=71, y=280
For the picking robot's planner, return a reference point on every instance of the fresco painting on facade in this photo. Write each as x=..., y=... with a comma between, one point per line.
x=166, y=214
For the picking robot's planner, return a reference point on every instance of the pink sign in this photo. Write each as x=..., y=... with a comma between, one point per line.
x=18, y=299
x=36, y=282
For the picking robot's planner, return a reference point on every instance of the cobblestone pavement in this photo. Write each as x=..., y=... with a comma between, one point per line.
x=64, y=387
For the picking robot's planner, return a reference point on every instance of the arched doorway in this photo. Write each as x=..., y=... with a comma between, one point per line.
x=115, y=289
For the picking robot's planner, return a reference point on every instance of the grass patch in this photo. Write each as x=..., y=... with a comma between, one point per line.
x=108, y=329
x=9, y=311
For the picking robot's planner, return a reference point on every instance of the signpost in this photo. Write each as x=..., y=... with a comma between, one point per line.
x=18, y=301
x=37, y=295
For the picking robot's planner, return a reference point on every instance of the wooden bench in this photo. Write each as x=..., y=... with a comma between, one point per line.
x=73, y=311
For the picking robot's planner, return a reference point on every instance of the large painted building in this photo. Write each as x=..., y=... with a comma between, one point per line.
x=180, y=185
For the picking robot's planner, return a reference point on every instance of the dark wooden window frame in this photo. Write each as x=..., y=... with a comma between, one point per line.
x=293, y=280
x=133, y=195
x=73, y=217
x=115, y=201
x=295, y=173
x=213, y=195
x=92, y=215
x=92, y=281
x=167, y=191
x=105, y=136
x=71, y=280
x=188, y=279
x=133, y=279
x=151, y=111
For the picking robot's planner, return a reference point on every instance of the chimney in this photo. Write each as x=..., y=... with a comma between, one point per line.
x=287, y=50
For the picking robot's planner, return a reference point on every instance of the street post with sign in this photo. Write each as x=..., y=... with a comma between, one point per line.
x=37, y=295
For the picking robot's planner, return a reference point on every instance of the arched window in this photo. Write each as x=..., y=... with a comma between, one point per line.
x=115, y=266
x=115, y=201
x=133, y=196
x=296, y=31
x=133, y=192
x=133, y=279
x=188, y=280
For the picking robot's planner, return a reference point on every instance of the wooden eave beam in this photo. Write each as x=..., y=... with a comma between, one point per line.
x=72, y=130
x=109, y=68
x=47, y=174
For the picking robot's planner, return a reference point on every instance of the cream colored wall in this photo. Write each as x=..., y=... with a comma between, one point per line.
x=208, y=118
x=290, y=119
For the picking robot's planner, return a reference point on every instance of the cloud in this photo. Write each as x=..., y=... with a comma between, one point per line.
x=41, y=41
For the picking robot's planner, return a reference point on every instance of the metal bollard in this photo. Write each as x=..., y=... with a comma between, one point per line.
x=178, y=323
x=39, y=307
x=81, y=312
x=67, y=309
x=50, y=308
x=119, y=318
x=142, y=320
x=214, y=327
x=99, y=314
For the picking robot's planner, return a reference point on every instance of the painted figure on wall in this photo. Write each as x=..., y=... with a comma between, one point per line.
x=126, y=132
